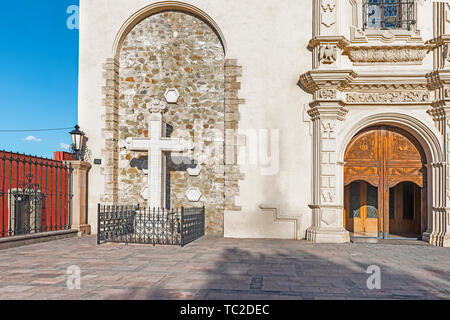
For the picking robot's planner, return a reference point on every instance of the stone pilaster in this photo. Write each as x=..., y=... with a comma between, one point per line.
x=326, y=43
x=232, y=116
x=326, y=13
x=438, y=231
x=327, y=111
x=438, y=222
x=110, y=131
x=327, y=203
x=80, y=197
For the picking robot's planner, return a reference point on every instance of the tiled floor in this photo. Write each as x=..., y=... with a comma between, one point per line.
x=216, y=268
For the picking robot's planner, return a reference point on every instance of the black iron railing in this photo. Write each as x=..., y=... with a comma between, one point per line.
x=35, y=195
x=133, y=224
x=388, y=14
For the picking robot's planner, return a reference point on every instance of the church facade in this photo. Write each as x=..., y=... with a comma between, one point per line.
x=287, y=119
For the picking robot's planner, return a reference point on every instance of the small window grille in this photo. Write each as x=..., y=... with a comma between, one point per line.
x=388, y=14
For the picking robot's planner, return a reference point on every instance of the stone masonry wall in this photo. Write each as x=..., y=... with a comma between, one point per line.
x=110, y=131
x=174, y=50
x=232, y=139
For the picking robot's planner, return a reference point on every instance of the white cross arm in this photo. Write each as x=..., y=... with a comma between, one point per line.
x=137, y=144
x=175, y=145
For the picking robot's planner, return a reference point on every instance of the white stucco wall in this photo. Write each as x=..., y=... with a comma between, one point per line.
x=269, y=39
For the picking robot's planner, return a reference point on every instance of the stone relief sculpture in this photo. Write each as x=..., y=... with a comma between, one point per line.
x=328, y=54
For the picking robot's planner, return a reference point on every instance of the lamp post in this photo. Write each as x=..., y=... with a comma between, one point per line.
x=79, y=170
x=77, y=141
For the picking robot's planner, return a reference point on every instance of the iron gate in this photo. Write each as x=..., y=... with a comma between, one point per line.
x=133, y=224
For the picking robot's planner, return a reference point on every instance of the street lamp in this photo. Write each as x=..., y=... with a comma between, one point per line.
x=77, y=141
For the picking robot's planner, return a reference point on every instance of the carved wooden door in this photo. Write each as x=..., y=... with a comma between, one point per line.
x=384, y=183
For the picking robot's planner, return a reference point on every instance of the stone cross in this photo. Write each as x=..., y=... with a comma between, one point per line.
x=156, y=145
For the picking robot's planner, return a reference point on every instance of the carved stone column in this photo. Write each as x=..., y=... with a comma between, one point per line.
x=438, y=223
x=325, y=81
x=327, y=201
x=438, y=232
x=327, y=111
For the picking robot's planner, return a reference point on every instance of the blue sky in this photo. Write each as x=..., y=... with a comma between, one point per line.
x=38, y=75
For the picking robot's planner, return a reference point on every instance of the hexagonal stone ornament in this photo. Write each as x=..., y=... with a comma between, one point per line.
x=195, y=172
x=194, y=194
x=172, y=95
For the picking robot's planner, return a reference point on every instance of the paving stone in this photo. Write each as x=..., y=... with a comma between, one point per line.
x=216, y=268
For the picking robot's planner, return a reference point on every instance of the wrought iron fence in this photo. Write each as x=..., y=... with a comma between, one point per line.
x=388, y=14
x=35, y=195
x=133, y=224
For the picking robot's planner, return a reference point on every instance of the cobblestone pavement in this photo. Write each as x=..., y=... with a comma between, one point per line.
x=216, y=268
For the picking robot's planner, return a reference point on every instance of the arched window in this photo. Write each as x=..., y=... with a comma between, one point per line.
x=388, y=14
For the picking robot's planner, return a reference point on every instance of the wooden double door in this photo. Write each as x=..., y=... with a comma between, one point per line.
x=384, y=178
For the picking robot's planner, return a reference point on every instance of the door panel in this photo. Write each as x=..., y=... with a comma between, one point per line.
x=391, y=162
x=404, y=216
x=371, y=222
x=22, y=216
x=361, y=208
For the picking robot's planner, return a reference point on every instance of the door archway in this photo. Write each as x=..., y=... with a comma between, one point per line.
x=384, y=184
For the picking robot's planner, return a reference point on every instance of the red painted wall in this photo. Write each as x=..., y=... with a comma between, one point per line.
x=49, y=177
x=63, y=156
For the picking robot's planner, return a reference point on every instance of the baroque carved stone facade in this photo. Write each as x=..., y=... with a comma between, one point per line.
x=199, y=60
x=338, y=87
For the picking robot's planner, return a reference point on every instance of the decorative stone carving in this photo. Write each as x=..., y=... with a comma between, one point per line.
x=328, y=54
x=385, y=54
x=328, y=129
x=447, y=12
x=328, y=217
x=328, y=12
x=315, y=80
x=195, y=172
x=193, y=194
x=447, y=93
x=376, y=85
x=327, y=94
x=172, y=95
x=446, y=53
x=328, y=196
x=390, y=97
x=422, y=2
